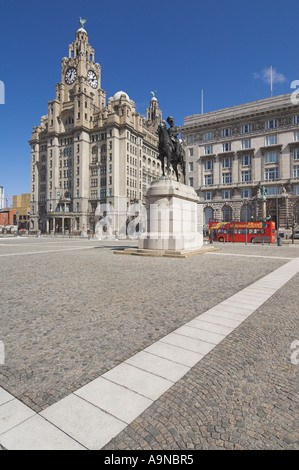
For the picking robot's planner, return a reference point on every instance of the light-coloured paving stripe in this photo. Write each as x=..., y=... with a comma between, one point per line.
x=48, y=251
x=249, y=256
x=90, y=417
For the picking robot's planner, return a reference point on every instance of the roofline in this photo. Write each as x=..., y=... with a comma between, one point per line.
x=236, y=112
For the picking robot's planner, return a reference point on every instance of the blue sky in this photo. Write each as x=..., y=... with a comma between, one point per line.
x=175, y=47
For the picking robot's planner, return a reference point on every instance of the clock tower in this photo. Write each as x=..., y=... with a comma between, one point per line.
x=87, y=153
x=80, y=73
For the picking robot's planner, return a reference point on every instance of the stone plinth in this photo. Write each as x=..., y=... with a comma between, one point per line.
x=172, y=213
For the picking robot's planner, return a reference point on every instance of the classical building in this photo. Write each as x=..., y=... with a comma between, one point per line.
x=90, y=154
x=232, y=152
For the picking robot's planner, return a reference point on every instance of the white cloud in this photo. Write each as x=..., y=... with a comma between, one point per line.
x=265, y=76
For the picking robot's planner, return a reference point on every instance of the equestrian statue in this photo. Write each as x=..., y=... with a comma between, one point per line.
x=171, y=148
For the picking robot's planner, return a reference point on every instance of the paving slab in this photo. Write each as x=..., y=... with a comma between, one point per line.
x=174, y=353
x=159, y=366
x=197, y=333
x=5, y=396
x=13, y=413
x=84, y=422
x=191, y=344
x=115, y=399
x=146, y=384
x=38, y=434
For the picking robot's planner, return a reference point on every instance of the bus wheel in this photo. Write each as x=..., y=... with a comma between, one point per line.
x=221, y=239
x=252, y=240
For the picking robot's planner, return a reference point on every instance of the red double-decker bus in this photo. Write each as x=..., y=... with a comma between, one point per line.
x=253, y=232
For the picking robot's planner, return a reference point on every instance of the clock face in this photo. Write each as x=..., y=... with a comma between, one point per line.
x=92, y=79
x=70, y=76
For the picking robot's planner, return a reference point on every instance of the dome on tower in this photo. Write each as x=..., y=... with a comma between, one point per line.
x=120, y=94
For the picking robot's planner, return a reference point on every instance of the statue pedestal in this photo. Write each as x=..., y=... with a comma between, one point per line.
x=172, y=219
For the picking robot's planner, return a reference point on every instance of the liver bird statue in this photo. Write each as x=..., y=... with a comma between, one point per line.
x=82, y=22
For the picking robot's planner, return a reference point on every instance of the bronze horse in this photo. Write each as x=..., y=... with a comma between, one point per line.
x=174, y=156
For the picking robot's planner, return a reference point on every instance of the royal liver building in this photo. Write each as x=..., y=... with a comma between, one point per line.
x=90, y=155
x=232, y=153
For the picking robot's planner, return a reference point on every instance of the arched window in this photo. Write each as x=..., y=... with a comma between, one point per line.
x=245, y=213
x=208, y=214
x=227, y=214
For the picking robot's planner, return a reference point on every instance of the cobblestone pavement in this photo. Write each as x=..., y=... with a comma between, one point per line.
x=243, y=395
x=71, y=310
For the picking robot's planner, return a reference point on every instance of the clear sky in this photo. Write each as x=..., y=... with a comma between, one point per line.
x=178, y=48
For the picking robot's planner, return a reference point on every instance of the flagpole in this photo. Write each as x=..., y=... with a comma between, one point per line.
x=271, y=82
x=201, y=101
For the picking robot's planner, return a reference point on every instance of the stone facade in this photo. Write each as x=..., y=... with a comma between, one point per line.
x=231, y=152
x=89, y=152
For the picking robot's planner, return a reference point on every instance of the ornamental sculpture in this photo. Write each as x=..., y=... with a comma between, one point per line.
x=171, y=148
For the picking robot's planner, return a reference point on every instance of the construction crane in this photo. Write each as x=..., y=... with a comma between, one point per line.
x=6, y=199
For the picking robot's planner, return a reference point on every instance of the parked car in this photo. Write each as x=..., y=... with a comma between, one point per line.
x=296, y=235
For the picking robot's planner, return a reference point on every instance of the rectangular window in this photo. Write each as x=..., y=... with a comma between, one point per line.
x=246, y=128
x=190, y=181
x=272, y=124
x=271, y=174
x=226, y=194
x=296, y=190
x=246, y=176
x=190, y=166
x=209, y=165
x=208, y=149
x=226, y=163
x=208, y=195
x=226, y=178
x=272, y=190
x=245, y=193
x=271, y=157
x=226, y=147
x=208, y=135
x=191, y=139
x=226, y=132
x=246, y=144
x=208, y=180
x=246, y=160
x=110, y=168
x=271, y=140
x=191, y=152
x=296, y=171
x=103, y=193
x=296, y=119
x=296, y=154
